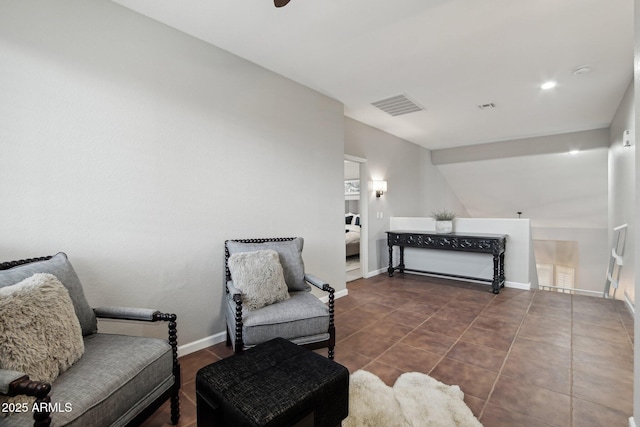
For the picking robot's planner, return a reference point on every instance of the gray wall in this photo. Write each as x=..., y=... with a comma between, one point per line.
x=138, y=150
x=622, y=165
x=388, y=158
x=414, y=185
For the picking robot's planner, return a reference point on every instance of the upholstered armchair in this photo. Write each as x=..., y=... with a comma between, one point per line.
x=260, y=306
x=96, y=379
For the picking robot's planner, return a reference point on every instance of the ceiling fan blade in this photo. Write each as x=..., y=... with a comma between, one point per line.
x=280, y=3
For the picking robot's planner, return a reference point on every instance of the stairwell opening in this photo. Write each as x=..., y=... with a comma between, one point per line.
x=557, y=265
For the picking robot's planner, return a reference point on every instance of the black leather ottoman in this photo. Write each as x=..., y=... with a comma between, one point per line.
x=277, y=383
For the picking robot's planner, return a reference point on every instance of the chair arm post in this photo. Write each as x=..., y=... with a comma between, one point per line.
x=239, y=344
x=332, y=328
x=40, y=390
x=173, y=331
x=173, y=342
x=331, y=292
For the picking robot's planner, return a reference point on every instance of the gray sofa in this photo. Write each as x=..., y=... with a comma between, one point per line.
x=118, y=381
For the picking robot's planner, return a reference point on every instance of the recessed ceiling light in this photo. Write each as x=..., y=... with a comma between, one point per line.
x=548, y=85
x=574, y=152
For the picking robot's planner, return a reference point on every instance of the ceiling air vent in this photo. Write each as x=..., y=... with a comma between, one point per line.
x=397, y=105
x=487, y=106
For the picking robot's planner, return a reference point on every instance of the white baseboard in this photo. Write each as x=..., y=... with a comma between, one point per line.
x=339, y=294
x=631, y=422
x=200, y=344
x=629, y=304
x=517, y=285
x=375, y=273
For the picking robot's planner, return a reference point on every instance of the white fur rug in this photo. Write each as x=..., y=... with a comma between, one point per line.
x=416, y=400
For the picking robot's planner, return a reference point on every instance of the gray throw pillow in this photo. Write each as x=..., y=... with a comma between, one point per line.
x=259, y=277
x=290, y=253
x=41, y=335
x=60, y=267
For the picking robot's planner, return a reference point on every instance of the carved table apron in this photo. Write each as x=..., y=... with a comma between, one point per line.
x=493, y=244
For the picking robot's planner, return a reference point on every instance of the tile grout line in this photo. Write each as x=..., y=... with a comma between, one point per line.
x=361, y=329
x=504, y=362
x=460, y=336
x=576, y=308
x=420, y=324
x=423, y=322
x=375, y=359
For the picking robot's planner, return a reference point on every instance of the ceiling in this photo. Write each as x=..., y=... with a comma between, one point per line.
x=448, y=56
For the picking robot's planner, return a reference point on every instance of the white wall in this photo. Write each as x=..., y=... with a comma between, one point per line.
x=622, y=177
x=564, y=196
x=552, y=190
x=414, y=184
x=435, y=192
x=138, y=150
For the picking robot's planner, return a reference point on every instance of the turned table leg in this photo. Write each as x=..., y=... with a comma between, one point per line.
x=495, y=285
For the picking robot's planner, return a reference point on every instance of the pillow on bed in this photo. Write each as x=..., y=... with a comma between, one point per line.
x=355, y=228
x=352, y=218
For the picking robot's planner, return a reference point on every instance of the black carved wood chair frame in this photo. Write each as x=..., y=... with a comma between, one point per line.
x=329, y=343
x=40, y=390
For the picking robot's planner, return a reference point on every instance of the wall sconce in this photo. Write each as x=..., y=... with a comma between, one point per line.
x=379, y=187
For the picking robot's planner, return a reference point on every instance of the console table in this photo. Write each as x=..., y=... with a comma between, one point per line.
x=493, y=244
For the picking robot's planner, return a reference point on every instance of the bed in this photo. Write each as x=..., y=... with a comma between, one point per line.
x=352, y=234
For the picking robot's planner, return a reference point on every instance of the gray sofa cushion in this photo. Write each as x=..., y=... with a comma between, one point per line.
x=6, y=378
x=290, y=253
x=60, y=267
x=115, y=371
x=299, y=318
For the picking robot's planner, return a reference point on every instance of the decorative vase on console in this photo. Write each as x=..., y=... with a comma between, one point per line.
x=444, y=221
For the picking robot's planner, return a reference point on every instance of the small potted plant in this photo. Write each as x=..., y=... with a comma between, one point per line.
x=444, y=221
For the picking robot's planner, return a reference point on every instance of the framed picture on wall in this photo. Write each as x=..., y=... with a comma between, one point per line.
x=351, y=187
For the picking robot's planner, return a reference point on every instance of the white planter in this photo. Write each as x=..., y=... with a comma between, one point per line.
x=444, y=227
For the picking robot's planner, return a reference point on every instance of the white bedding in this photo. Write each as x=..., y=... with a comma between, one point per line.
x=352, y=234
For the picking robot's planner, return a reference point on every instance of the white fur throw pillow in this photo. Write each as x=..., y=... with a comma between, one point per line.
x=40, y=334
x=259, y=276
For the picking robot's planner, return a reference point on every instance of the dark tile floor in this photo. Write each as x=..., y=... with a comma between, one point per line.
x=522, y=358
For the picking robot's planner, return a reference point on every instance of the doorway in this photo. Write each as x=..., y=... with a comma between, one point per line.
x=355, y=209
